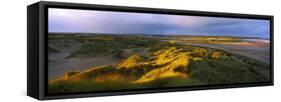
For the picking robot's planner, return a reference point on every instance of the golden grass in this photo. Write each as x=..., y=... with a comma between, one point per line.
x=165, y=56
x=131, y=62
x=200, y=52
x=109, y=77
x=217, y=55
x=170, y=59
x=169, y=66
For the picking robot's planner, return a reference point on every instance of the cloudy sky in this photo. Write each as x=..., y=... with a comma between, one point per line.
x=88, y=21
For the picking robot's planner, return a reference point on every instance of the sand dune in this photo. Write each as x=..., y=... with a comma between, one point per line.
x=256, y=50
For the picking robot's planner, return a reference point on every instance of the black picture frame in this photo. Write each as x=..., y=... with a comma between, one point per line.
x=37, y=22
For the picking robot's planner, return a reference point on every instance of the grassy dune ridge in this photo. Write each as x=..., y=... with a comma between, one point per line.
x=152, y=63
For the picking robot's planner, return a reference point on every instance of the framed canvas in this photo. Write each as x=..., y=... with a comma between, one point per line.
x=82, y=50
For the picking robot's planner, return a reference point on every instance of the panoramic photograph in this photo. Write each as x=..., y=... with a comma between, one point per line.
x=98, y=51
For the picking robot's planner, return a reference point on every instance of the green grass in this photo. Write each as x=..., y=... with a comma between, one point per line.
x=213, y=67
x=209, y=39
x=87, y=85
x=107, y=44
x=91, y=85
x=52, y=50
x=233, y=70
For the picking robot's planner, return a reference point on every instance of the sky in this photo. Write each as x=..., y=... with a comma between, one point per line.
x=90, y=21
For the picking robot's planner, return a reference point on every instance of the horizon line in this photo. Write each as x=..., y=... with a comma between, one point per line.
x=155, y=34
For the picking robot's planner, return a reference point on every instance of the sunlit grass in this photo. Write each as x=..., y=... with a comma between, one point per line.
x=131, y=62
x=165, y=64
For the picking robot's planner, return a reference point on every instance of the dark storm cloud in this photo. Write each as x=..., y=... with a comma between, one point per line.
x=67, y=20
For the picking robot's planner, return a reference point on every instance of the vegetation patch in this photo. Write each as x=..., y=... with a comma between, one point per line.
x=152, y=63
